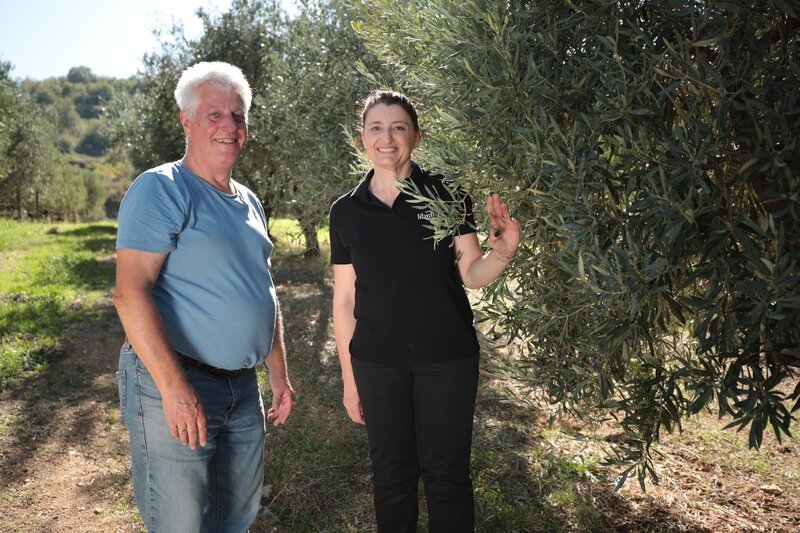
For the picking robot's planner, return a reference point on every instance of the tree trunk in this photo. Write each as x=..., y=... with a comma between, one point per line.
x=312, y=242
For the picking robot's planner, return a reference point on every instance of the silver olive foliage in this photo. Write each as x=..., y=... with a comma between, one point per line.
x=650, y=149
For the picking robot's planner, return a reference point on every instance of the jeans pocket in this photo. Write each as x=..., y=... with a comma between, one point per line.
x=121, y=389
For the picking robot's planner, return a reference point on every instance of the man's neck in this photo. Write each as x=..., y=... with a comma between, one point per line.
x=220, y=179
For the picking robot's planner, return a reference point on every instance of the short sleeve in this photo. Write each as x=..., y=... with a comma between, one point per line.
x=151, y=214
x=340, y=254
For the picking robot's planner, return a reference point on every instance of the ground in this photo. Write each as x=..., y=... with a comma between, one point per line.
x=64, y=464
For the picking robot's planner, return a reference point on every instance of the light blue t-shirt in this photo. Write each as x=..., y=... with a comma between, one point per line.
x=215, y=292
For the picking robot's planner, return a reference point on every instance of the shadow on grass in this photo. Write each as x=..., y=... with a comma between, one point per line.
x=316, y=463
x=108, y=232
x=78, y=272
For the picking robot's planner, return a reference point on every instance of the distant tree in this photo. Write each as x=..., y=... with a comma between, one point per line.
x=6, y=108
x=95, y=141
x=651, y=150
x=91, y=98
x=29, y=155
x=146, y=124
x=80, y=75
x=66, y=194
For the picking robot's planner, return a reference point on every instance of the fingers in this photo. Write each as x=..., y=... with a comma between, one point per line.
x=281, y=407
x=499, y=215
x=194, y=432
x=504, y=231
x=353, y=407
x=356, y=414
x=202, y=430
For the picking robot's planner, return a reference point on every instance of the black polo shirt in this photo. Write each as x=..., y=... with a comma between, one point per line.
x=410, y=305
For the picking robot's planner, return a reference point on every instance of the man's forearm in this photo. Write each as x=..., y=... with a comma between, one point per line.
x=142, y=325
x=276, y=358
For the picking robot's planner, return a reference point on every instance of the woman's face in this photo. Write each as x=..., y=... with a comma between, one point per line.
x=389, y=136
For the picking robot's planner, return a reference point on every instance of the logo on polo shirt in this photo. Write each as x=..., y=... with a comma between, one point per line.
x=427, y=215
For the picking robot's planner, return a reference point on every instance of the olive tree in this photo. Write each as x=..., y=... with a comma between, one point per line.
x=650, y=149
x=309, y=108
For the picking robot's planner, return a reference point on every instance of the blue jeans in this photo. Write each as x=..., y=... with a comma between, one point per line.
x=213, y=488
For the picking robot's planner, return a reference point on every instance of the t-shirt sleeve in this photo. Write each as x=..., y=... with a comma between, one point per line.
x=151, y=214
x=340, y=253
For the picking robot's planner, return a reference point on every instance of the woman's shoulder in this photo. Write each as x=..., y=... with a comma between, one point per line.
x=343, y=203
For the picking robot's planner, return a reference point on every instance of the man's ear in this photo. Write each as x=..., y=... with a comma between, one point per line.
x=185, y=122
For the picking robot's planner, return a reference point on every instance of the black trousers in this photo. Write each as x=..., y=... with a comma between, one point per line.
x=419, y=425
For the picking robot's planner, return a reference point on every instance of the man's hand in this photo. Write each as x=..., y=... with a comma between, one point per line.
x=282, y=395
x=186, y=418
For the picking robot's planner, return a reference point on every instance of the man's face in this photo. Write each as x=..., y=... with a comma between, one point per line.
x=217, y=131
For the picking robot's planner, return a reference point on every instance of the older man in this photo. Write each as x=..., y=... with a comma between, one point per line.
x=196, y=299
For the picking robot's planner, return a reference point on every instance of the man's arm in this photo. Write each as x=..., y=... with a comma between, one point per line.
x=137, y=272
x=282, y=392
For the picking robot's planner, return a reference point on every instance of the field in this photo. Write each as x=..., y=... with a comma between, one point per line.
x=64, y=463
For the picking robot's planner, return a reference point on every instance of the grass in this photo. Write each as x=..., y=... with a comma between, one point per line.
x=50, y=277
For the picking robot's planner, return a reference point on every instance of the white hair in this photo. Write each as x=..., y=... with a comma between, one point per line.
x=223, y=75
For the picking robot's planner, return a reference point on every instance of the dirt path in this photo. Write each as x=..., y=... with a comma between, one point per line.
x=63, y=450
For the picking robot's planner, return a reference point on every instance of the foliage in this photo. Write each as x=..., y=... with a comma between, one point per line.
x=249, y=35
x=651, y=151
x=28, y=157
x=52, y=126
x=309, y=106
x=6, y=106
x=146, y=123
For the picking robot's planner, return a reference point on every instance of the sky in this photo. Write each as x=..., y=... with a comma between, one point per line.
x=45, y=38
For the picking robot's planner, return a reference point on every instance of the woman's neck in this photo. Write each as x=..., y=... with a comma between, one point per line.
x=385, y=178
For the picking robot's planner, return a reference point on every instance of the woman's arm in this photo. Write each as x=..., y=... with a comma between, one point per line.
x=478, y=269
x=344, y=324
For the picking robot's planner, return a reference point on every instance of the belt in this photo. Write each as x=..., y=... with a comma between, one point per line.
x=211, y=369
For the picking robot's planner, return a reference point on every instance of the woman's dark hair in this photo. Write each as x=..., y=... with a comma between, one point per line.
x=388, y=98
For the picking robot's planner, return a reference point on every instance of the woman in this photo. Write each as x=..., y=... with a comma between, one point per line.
x=403, y=325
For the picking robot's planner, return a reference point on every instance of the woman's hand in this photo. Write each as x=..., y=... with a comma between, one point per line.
x=352, y=404
x=504, y=231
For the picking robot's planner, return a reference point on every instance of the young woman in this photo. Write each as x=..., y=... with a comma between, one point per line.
x=404, y=327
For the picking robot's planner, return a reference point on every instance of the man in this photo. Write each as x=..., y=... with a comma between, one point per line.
x=196, y=299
